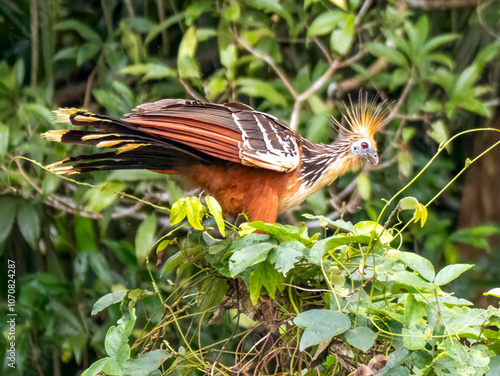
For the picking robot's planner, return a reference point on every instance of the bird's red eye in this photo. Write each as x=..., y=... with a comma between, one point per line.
x=364, y=145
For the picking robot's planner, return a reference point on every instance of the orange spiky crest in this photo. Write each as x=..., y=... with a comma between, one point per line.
x=363, y=119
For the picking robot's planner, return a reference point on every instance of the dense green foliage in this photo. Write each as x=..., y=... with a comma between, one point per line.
x=77, y=241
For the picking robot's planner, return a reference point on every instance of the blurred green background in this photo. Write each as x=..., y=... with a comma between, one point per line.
x=437, y=62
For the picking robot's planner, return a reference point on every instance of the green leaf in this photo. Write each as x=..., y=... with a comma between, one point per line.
x=195, y=212
x=205, y=33
x=286, y=232
x=100, y=267
x=413, y=339
x=450, y=272
x=85, y=237
x=317, y=252
x=439, y=40
x=390, y=54
x=321, y=325
x=324, y=222
x=270, y=278
x=405, y=165
x=144, y=237
x=494, y=366
x=232, y=11
x=370, y=228
x=255, y=284
x=408, y=203
x=411, y=279
x=341, y=39
x=216, y=210
x=364, y=186
x=248, y=256
x=257, y=88
x=18, y=71
x=418, y=263
x=178, y=211
x=8, y=205
x=325, y=23
x=229, y=59
x=476, y=236
x=466, y=80
x=108, y=99
x=362, y=338
x=411, y=203
x=86, y=52
x=414, y=312
x=487, y=54
x=151, y=71
x=493, y=292
x=28, y=221
x=99, y=199
x=172, y=262
x=116, y=341
x=188, y=67
x=274, y=6
x=81, y=28
x=107, y=300
x=216, y=86
x=111, y=367
x=165, y=243
x=196, y=9
x=140, y=24
x=188, y=44
x=157, y=29
x=95, y=368
x=145, y=363
x=186, y=64
x=286, y=254
x=439, y=132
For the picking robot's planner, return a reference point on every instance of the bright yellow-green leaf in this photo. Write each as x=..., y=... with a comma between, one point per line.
x=423, y=216
x=408, y=203
x=195, y=212
x=189, y=43
x=178, y=211
x=340, y=3
x=493, y=292
x=216, y=211
x=364, y=186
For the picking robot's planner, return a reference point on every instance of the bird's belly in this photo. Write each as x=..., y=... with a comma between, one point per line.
x=241, y=189
x=295, y=196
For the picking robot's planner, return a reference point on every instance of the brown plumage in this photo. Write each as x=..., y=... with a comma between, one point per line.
x=249, y=161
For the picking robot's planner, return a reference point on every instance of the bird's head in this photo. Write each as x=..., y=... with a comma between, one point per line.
x=362, y=120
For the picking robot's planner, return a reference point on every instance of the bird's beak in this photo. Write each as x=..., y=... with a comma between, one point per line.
x=372, y=157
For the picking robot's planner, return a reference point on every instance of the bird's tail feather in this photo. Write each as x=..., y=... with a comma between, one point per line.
x=135, y=149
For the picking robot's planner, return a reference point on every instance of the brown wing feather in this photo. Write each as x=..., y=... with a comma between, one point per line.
x=233, y=131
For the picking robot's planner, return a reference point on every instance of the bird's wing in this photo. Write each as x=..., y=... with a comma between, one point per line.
x=233, y=131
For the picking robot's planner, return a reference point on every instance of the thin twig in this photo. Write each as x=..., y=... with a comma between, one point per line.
x=356, y=81
x=130, y=8
x=481, y=20
x=318, y=84
x=362, y=12
x=190, y=91
x=271, y=63
x=90, y=83
x=323, y=49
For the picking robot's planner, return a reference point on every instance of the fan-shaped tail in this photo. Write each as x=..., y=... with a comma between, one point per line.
x=135, y=149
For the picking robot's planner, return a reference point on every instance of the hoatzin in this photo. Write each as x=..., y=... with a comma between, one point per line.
x=250, y=161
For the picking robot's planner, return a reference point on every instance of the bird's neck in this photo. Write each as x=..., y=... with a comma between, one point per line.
x=321, y=165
